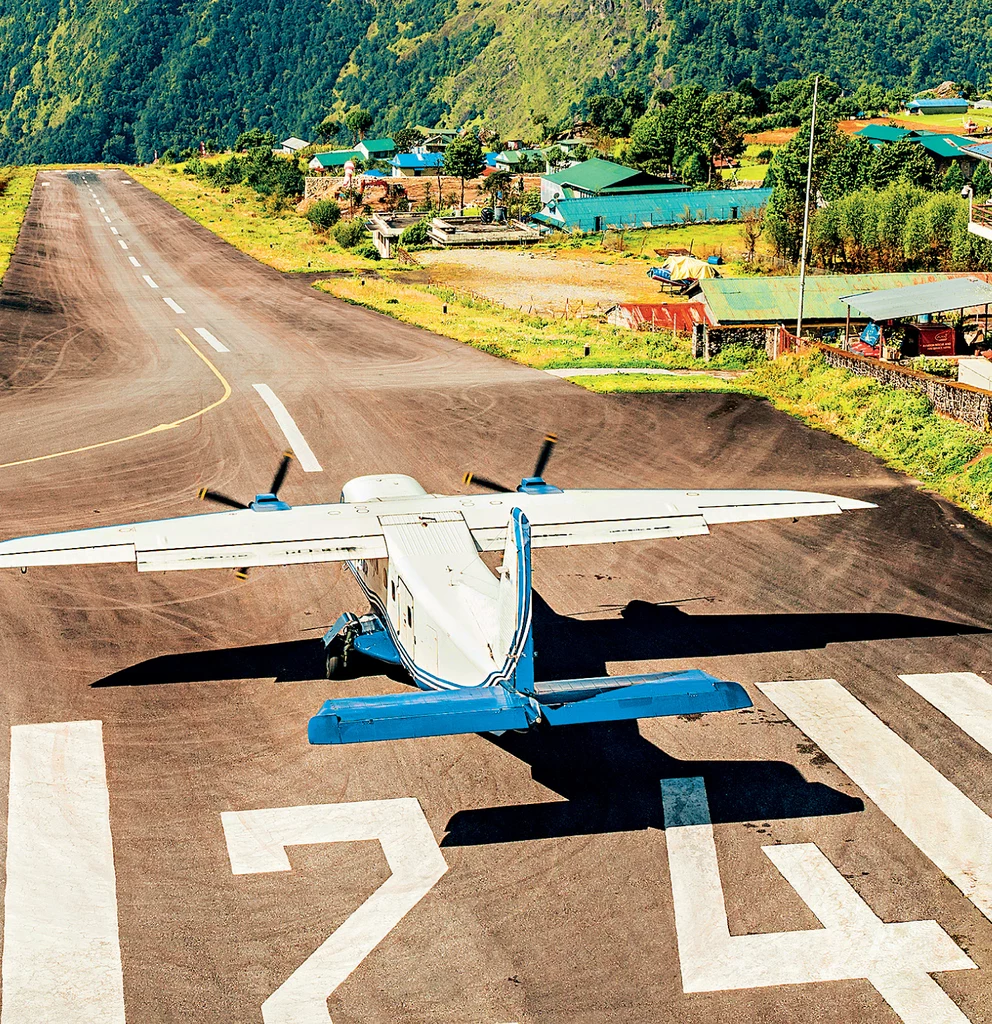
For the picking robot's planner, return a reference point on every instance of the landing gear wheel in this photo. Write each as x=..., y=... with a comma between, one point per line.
x=334, y=666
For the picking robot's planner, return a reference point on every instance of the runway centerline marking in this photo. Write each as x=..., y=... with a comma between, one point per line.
x=107, y=219
x=966, y=699
x=143, y=433
x=102, y=210
x=216, y=345
x=257, y=841
x=149, y=281
x=134, y=262
x=115, y=231
x=174, y=306
x=853, y=943
x=122, y=243
x=61, y=942
x=302, y=451
x=933, y=813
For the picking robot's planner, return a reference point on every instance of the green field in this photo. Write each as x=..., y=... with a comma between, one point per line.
x=18, y=183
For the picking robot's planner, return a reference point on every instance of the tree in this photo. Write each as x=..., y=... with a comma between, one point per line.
x=323, y=214
x=497, y=184
x=953, y=180
x=850, y=169
x=981, y=180
x=752, y=224
x=358, y=122
x=254, y=138
x=327, y=129
x=463, y=159
x=903, y=159
x=406, y=138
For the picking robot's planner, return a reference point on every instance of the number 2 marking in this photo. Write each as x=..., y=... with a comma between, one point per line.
x=257, y=841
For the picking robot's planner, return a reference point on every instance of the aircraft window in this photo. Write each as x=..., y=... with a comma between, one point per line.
x=409, y=616
x=393, y=590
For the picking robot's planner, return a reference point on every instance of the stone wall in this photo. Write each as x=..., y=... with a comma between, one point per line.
x=960, y=401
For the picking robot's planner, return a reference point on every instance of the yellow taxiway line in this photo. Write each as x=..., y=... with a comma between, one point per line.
x=143, y=433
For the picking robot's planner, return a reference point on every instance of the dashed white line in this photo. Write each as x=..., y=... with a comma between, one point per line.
x=134, y=262
x=115, y=231
x=122, y=243
x=107, y=219
x=45, y=184
x=61, y=941
x=933, y=813
x=216, y=345
x=302, y=451
x=102, y=210
x=149, y=281
x=174, y=306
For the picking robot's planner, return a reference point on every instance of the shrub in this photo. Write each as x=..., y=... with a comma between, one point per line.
x=349, y=233
x=765, y=156
x=324, y=214
x=367, y=251
x=416, y=234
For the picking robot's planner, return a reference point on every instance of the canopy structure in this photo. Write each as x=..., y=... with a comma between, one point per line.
x=920, y=299
x=684, y=268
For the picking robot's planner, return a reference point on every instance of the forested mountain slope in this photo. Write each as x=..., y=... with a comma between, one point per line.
x=119, y=79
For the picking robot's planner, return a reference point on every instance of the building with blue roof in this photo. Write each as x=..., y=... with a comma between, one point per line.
x=416, y=165
x=597, y=213
x=938, y=106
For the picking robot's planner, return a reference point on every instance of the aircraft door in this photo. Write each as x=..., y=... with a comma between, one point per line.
x=404, y=608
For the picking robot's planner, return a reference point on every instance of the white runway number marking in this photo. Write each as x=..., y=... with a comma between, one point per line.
x=216, y=345
x=257, y=841
x=61, y=945
x=302, y=451
x=854, y=942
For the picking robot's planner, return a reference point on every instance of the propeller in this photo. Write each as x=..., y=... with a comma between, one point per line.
x=536, y=478
x=262, y=502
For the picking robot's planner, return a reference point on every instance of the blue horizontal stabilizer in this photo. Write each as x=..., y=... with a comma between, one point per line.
x=616, y=698
x=377, y=644
x=397, y=716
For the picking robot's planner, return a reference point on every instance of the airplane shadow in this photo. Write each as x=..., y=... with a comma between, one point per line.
x=574, y=648
x=568, y=648
x=611, y=778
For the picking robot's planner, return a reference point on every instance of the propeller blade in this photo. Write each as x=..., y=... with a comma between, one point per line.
x=205, y=494
x=481, y=481
x=550, y=440
x=287, y=458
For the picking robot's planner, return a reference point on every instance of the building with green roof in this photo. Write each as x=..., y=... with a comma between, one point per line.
x=943, y=148
x=597, y=177
x=335, y=161
x=377, y=149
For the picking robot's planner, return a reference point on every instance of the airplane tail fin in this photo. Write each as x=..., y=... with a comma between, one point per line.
x=513, y=645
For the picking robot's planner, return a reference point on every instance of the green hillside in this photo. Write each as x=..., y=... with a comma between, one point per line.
x=119, y=79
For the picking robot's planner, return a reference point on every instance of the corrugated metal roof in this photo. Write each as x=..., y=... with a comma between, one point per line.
x=770, y=300
x=882, y=132
x=378, y=145
x=915, y=300
x=593, y=174
x=672, y=316
x=417, y=160
x=338, y=158
x=952, y=104
x=981, y=149
x=946, y=146
x=595, y=213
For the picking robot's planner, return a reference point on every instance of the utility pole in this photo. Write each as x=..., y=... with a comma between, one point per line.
x=809, y=183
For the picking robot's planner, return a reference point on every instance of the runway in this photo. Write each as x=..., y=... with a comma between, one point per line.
x=589, y=875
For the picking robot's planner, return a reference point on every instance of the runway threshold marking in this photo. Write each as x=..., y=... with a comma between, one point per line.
x=149, y=281
x=216, y=345
x=854, y=942
x=965, y=698
x=174, y=306
x=143, y=433
x=61, y=943
x=257, y=841
x=933, y=813
x=302, y=451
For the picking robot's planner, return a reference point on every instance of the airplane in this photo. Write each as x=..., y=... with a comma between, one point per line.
x=463, y=633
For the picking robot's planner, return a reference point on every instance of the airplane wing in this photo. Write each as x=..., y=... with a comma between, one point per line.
x=339, y=532
x=609, y=516
x=309, y=533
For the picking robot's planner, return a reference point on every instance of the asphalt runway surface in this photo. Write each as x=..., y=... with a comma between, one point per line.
x=587, y=869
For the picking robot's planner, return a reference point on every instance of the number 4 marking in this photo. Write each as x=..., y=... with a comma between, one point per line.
x=257, y=841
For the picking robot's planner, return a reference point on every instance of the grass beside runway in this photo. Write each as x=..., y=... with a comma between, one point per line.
x=899, y=427
x=269, y=233
x=16, y=184
x=536, y=341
